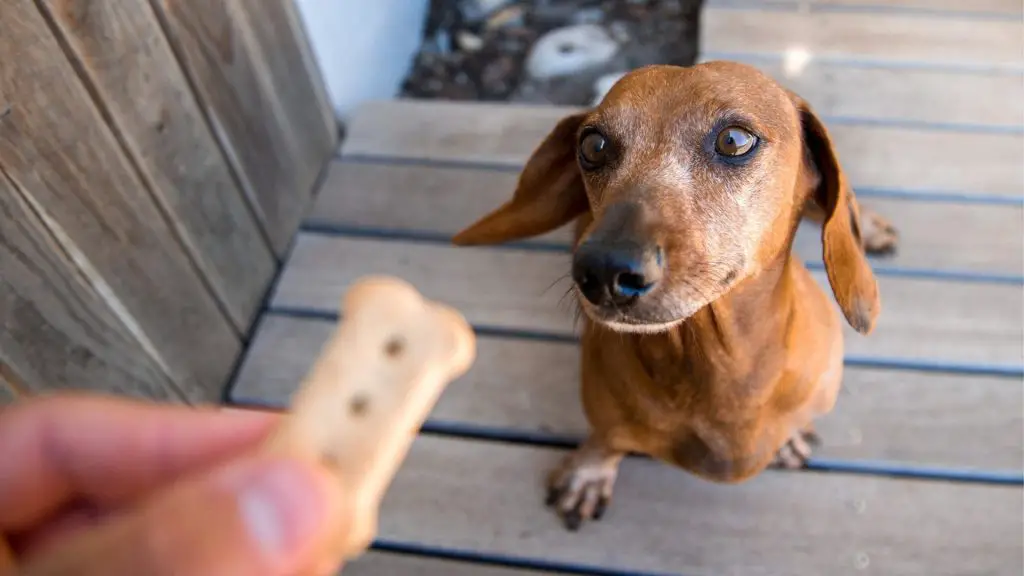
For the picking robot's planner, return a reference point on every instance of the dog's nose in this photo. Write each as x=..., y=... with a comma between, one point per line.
x=616, y=276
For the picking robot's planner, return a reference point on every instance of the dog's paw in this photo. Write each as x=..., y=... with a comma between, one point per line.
x=580, y=489
x=879, y=235
x=796, y=451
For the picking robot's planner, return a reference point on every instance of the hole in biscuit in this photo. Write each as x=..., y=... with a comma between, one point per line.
x=358, y=405
x=394, y=347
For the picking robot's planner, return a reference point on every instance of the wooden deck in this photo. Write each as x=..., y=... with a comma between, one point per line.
x=922, y=462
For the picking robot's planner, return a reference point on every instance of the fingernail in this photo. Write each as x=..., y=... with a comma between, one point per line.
x=283, y=507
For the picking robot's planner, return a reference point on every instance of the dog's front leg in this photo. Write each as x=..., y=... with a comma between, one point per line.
x=581, y=487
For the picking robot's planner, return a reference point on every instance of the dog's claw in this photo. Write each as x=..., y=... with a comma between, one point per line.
x=812, y=437
x=602, y=505
x=879, y=235
x=552, y=497
x=580, y=489
x=573, y=520
x=796, y=451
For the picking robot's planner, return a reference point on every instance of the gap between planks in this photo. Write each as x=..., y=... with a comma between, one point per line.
x=523, y=290
x=504, y=135
x=994, y=45
x=529, y=390
x=489, y=496
x=959, y=9
x=385, y=199
x=912, y=99
x=403, y=559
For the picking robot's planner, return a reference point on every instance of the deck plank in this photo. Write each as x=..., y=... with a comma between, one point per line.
x=491, y=498
x=941, y=420
x=1000, y=7
x=504, y=134
x=367, y=195
x=880, y=37
x=523, y=290
x=873, y=94
x=375, y=563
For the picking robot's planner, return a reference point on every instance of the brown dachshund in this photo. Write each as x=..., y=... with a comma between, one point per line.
x=705, y=343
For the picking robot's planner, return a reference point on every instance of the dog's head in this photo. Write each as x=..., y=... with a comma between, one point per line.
x=695, y=179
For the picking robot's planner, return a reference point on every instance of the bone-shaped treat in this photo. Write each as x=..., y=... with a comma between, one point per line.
x=363, y=402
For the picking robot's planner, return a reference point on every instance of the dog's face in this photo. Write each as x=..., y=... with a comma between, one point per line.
x=690, y=174
x=694, y=179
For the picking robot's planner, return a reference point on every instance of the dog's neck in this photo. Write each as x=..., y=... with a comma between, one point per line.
x=752, y=316
x=739, y=333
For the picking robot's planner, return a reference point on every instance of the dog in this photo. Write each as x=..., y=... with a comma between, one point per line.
x=705, y=343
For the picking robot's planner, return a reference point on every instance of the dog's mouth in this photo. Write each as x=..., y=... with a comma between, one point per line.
x=634, y=319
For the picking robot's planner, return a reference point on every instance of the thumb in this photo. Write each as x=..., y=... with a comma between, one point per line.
x=265, y=517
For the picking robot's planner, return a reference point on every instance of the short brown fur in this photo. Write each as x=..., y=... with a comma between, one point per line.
x=723, y=367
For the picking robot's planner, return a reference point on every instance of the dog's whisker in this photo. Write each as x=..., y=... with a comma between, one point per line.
x=565, y=276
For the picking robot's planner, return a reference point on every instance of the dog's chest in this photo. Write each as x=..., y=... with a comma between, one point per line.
x=708, y=421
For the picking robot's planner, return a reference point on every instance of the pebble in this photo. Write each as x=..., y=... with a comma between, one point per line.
x=511, y=16
x=497, y=74
x=620, y=32
x=481, y=49
x=603, y=84
x=564, y=51
x=477, y=10
x=443, y=42
x=588, y=16
x=468, y=41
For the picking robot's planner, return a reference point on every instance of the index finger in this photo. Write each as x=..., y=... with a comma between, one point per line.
x=58, y=449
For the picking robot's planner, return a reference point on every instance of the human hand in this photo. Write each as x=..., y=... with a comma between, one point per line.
x=106, y=486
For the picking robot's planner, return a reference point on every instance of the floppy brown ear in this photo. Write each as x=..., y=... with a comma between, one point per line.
x=846, y=264
x=549, y=193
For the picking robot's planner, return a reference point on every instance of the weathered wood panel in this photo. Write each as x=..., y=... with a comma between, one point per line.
x=128, y=63
x=258, y=109
x=7, y=392
x=989, y=238
x=57, y=330
x=929, y=419
x=375, y=563
x=903, y=95
x=873, y=156
x=491, y=498
x=56, y=147
x=881, y=37
x=517, y=289
x=280, y=40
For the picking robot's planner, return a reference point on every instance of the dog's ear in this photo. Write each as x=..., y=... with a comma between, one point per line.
x=853, y=283
x=549, y=193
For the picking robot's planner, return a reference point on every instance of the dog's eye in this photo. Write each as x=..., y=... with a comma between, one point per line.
x=594, y=149
x=734, y=141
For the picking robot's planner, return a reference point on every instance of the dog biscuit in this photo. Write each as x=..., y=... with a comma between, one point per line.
x=364, y=400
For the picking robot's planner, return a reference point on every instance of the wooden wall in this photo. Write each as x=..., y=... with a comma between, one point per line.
x=155, y=161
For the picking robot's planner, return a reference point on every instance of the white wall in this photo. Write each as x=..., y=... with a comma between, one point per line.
x=364, y=47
